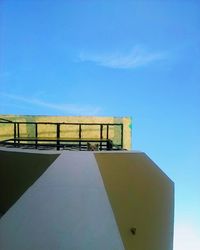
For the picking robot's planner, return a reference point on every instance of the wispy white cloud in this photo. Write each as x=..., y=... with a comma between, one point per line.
x=137, y=57
x=70, y=109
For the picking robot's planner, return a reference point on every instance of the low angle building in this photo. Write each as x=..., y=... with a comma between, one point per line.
x=76, y=183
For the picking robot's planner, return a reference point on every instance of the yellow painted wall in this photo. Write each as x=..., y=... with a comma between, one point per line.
x=141, y=196
x=69, y=131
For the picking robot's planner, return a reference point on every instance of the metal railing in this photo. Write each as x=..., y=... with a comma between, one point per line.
x=105, y=140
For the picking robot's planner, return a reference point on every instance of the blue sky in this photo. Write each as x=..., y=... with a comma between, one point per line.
x=114, y=58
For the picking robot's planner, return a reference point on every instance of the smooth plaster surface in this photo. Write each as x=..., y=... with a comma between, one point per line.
x=18, y=171
x=142, y=197
x=66, y=208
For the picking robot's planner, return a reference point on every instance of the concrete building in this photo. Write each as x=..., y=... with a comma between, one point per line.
x=70, y=199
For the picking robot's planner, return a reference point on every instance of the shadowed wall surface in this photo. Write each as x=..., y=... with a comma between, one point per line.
x=88, y=200
x=18, y=171
x=66, y=208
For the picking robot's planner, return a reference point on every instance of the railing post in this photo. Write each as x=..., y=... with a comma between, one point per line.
x=101, y=135
x=122, y=136
x=58, y=136
x=18, y=133
x=80, y=137
x=107, y=131
x=15, y=134
x=36, y=135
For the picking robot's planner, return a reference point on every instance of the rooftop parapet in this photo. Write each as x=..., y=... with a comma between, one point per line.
x=72, y=133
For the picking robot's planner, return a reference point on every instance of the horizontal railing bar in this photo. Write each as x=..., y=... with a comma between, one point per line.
x=17, y=140
x=5, y=120
x=38, y=139
x=67, y=123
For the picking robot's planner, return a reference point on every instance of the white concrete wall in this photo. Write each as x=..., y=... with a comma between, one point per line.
x=66, y=208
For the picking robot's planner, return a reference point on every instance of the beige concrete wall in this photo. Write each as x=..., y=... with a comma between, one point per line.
x=142, y=197
x=70, y=131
